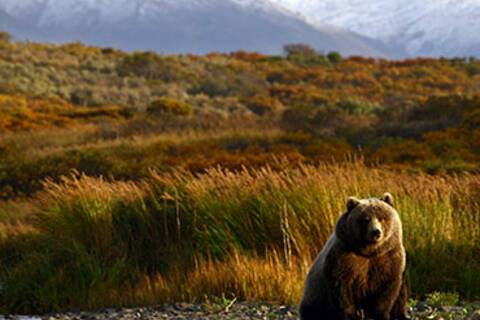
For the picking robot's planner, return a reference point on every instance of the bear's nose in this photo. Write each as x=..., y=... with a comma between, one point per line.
x=376, y=233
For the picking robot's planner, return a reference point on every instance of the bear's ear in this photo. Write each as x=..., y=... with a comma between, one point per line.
x=388, y=198
x=352, y=203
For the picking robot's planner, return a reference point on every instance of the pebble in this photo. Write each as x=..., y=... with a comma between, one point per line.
x=239, y=311
x=423, y=307
x=475, y=315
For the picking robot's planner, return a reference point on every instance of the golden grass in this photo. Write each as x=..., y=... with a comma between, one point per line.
x=249, y=234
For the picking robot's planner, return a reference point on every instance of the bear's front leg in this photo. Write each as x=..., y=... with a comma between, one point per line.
x=310, y=312
x=382, y=307
x=348, y=306
x=399, y=311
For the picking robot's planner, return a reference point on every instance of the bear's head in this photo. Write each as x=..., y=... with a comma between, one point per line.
x=370, y=226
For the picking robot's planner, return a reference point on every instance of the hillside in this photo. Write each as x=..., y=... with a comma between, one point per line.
x=112, y=108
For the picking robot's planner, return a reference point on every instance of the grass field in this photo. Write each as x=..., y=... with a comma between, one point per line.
x=88, y=243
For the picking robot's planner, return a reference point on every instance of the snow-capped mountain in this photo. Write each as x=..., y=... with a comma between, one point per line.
x=422, y=27
x=173, y=26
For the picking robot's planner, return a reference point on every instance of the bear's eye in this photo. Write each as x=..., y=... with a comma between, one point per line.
x=366, y=219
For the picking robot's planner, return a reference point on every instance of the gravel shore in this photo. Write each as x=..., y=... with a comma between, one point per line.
x=240, y=311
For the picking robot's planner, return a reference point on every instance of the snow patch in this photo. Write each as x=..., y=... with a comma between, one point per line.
x=423, y=27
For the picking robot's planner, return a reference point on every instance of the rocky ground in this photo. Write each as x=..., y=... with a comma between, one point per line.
x=239, y=311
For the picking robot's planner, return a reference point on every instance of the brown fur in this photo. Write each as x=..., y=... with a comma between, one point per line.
x=359, y=272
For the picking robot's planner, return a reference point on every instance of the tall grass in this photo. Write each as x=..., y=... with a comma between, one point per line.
x=251, y=234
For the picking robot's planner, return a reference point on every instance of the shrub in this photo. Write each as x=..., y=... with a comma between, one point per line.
x=221, y=81
x=357, y=106
x=145, y=64
x=263, y=105
x=5, y=37
x=299, y=49
x=168, y=106
x=304, y=55
x=334, y=57
x=443, y=298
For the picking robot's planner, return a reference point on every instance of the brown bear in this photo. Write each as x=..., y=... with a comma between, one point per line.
x=359, y=272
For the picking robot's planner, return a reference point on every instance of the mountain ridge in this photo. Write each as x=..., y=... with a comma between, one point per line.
x=423, y=28
x=179, y=26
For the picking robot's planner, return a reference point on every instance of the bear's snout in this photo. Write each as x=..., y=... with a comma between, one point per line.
x=375, y=232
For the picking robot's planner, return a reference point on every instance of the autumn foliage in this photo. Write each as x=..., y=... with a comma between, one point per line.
x=89, y=103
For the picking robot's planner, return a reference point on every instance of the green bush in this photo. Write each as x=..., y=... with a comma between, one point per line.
x=304, y=55
x=443, y=298
x=334, y=57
